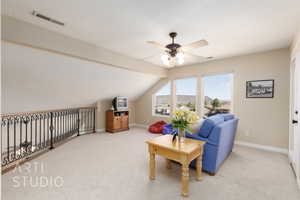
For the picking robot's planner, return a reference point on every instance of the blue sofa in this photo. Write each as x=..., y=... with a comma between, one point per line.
x=218, y=132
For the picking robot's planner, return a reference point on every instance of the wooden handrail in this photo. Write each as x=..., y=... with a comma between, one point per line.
x=43, y=111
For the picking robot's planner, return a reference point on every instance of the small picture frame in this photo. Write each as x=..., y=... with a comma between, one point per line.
x=260, y=89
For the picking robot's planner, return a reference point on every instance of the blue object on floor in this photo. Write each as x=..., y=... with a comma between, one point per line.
x=168, y=129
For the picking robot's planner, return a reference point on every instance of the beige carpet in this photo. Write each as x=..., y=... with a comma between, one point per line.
x=115, y=167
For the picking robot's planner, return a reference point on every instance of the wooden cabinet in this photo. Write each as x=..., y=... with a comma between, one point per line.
x=124, y=122
x=117, y=121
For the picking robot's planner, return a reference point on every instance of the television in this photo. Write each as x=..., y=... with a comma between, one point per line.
x=120, y=103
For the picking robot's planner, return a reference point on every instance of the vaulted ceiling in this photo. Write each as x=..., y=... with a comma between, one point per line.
x=231, y=27
x=33, y=79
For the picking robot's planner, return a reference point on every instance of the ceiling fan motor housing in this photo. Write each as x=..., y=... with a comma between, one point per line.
x=173, y=49
x=173, y=46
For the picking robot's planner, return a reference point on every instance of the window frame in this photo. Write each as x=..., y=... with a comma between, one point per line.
x=154, y=101
x=202, y=95
x=199, y=105
x=197, y=91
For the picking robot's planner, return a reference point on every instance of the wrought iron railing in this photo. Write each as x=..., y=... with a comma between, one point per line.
x=24, y=134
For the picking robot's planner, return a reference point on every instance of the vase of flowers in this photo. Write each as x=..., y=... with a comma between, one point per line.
x=181, y=135
x=181, y=120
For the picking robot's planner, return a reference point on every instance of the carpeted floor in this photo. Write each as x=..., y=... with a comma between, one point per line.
x=115, y=167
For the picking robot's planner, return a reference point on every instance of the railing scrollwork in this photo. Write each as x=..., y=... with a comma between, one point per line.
x=23, y=134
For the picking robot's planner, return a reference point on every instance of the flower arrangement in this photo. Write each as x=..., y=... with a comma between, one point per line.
x=182, y=119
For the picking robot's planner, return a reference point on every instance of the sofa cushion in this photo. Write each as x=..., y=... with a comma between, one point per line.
x=209, y=124
x=227, y=116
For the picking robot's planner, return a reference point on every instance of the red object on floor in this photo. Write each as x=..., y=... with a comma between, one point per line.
x=157, y=127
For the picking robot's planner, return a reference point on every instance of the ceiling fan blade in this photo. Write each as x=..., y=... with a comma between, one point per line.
x=194, y=45
x=195, y=56
x=157, y=45
x=150, y=57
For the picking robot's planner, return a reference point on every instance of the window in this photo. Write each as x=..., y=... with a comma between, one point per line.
x=217, y=94
x=162, y=101
x=186, y=90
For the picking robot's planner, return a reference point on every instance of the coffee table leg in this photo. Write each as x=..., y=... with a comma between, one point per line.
x=168, y=164
x=185, y=179
x=199, y=168
x=152, y=166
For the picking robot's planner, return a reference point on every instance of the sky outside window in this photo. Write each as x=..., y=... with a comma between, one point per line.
x=218, y=86
x=187, y=86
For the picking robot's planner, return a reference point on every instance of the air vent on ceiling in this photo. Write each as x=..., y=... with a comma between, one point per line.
x=44, y=17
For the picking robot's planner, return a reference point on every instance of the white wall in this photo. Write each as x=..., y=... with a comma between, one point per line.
x=34, y=79
x=143, y=105
x=262, y=121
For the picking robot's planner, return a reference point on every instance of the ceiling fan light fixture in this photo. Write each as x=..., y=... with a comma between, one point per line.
x=172, y=61
x=180, y=60
x=180, y=55
x=165, y=59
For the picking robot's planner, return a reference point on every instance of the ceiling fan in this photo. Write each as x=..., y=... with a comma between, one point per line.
x=175, y=53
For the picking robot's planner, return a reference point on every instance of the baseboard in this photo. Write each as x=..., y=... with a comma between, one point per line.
x=262, y=147
x=101, y=130
x=132, y=125
x=141, y=126
x=86, y=132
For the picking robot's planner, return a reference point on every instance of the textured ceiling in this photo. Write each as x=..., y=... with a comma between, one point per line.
x=232, y=27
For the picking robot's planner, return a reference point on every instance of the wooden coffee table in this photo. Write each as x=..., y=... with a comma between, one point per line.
x=183, y=153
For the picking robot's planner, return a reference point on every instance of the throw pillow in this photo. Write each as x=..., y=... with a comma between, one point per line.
x=209, y=124
x=196, y=126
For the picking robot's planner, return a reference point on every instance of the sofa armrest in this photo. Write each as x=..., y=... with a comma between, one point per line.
x=197, y=137
x=224, y=132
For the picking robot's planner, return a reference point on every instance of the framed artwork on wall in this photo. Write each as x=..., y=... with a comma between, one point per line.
x=260, y=89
